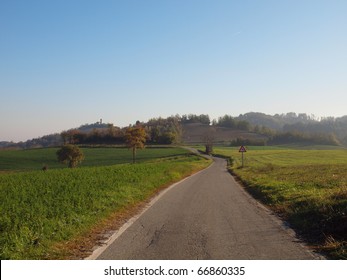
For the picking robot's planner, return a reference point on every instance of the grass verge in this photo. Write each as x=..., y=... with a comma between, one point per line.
x=308, y=188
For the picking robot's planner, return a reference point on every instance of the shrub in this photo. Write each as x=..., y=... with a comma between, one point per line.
x=70, y=154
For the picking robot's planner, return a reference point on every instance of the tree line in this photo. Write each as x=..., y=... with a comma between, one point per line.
x=277, y=129
x=157, y=131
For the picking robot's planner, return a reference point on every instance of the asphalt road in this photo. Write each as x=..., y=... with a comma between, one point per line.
x=207, y=216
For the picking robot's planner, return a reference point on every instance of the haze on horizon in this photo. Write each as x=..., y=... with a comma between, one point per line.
x=67, y=63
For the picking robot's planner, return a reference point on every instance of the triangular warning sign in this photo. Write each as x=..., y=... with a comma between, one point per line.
x=242, y=149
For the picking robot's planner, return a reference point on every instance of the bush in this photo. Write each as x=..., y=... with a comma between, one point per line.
x=70, y=154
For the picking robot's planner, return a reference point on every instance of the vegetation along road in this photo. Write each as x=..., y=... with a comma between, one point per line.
x=59, y=213
x=207, y=216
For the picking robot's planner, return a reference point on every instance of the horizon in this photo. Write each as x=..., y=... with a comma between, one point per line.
x=67, y=63
x=101, y=120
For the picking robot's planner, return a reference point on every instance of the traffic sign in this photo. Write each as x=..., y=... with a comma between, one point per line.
x=242, y=149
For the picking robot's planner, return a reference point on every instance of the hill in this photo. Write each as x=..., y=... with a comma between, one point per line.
x=250, y=128
x=4, y=144
x=309, y=126
x=278, y=121
x=196, y=133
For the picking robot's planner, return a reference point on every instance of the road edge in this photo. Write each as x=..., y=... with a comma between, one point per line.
x=105, y=244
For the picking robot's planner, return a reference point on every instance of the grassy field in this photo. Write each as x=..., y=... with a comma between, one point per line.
x=307, y=186
x=41, y=212
x=35, y=159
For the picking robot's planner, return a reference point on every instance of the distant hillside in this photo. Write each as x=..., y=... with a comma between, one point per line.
x=195, y=133
x=54, y=139
x=276, y=122
x=90, y=127
x=331, y=128
x=248, y=129
x=4, y=144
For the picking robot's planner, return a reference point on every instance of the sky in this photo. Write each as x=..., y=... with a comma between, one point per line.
x=70, y=62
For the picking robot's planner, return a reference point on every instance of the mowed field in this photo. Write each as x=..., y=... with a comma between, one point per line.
x=59, y=213
x=35, y=159
x=306, y=186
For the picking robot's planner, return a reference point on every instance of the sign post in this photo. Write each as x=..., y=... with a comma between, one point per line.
x=242, y=150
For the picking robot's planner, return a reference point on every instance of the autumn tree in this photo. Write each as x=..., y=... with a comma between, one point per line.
x=135, y=138
x=70, y=154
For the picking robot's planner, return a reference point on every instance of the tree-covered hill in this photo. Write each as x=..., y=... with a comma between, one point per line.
x=327, y=129
x=250, y=128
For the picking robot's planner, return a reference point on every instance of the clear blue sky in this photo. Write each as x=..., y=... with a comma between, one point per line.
x=67, y=63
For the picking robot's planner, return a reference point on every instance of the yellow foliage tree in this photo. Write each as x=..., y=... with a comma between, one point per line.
x=135, y=138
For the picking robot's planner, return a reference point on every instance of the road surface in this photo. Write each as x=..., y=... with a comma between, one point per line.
x=207, y=216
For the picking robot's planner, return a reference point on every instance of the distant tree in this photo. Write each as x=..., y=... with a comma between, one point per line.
x=65, y=136
x=154, y=134
x=70, y=136
x=205, y=119
x=135, y=138
x=70, y=154
x=164, y=131
x=167, y=138
x=192, y=118
x=111, y=130
x=208, y=138
x=226, y=121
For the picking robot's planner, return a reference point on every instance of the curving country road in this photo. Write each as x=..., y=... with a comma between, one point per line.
x=207, y=216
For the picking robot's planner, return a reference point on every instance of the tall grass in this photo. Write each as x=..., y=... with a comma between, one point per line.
x=42, y=209
x=307, y=187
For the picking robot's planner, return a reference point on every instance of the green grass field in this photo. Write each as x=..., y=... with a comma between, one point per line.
x=35, y=159
x=41, y=212
x=308, y=187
